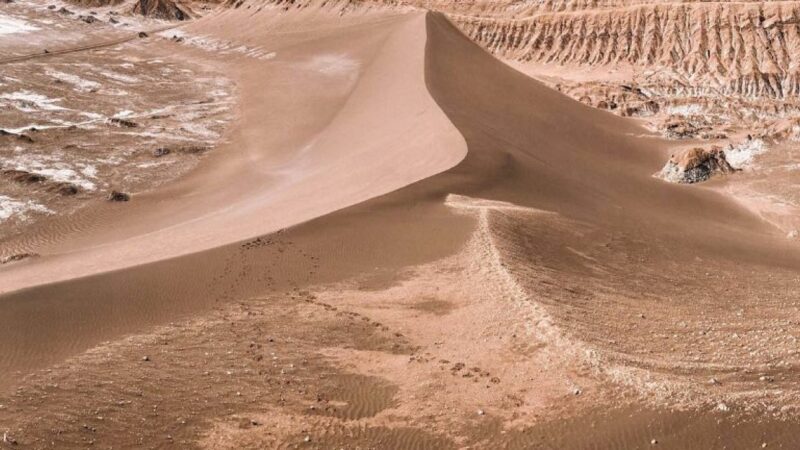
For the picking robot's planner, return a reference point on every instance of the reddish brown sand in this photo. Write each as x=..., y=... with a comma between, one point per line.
x=466, y=259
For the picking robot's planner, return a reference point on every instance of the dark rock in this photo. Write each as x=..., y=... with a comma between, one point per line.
x=161, y=151
x=17, y=257
x=142, y=34
x=21, y=137
x=193, y=149
x=22, y=176
x=122, y=122
x=117, y=196
x=65, y=189
x=683, y=129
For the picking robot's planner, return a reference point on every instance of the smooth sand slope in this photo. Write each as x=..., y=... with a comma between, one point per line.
x=547, y=251
x=320, y=130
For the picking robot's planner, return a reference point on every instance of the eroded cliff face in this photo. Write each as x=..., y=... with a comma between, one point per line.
x=162, y=9
x=742, y=48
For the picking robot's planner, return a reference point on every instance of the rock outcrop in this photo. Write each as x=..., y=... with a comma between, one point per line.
x=161, y=9
x=695, y=165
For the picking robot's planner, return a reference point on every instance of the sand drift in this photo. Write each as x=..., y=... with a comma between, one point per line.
x=455, y=242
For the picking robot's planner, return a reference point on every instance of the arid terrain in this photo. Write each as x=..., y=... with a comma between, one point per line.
x=399, y=224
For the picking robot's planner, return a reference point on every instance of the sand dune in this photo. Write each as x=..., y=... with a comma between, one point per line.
x=466, y=257
x=291, y=145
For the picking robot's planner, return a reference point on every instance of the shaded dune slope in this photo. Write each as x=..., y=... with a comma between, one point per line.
x=621, y=262
x=657, y=285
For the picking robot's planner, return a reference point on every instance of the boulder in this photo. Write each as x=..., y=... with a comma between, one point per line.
x=694, y=165
x=117, y=196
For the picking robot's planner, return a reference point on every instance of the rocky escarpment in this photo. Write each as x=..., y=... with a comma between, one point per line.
x=695, y=165
x=741, y=48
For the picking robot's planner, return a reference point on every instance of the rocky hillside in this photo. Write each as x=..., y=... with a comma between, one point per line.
x=162, y=9
x=745, y=48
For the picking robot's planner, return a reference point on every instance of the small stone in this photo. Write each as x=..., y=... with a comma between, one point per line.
x=481, y=412
x=145, y=358
x=713, y=381
x=653, y=441
x=723, y=407
x=307, y=439
x=576, y=391
x=117, y=196
x=122, y=122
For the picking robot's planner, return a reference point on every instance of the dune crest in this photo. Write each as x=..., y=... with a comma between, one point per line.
x=363, y=139
x=401, y=241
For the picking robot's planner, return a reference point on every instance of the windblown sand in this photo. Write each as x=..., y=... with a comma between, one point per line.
x=391, y=240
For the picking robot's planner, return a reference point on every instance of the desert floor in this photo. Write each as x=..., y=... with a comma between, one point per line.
x=361, y=230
